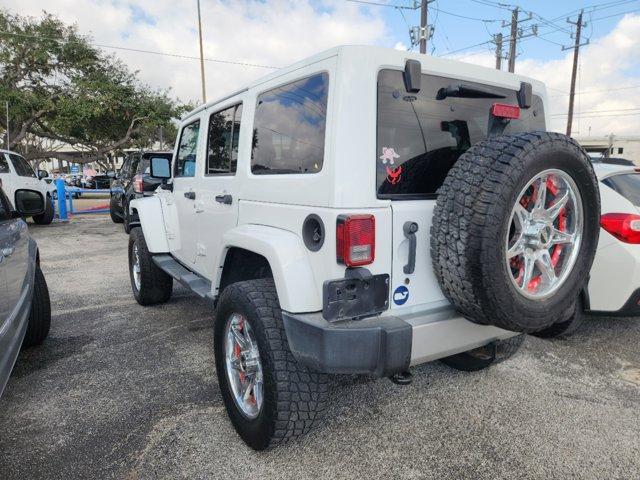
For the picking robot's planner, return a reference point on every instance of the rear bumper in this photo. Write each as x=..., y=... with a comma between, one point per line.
x=631, y=308
x=383, y=345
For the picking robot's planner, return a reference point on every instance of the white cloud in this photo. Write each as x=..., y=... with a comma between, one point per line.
x=279, y=32
x=606, y=72
x=276, y=33
x=400, y=46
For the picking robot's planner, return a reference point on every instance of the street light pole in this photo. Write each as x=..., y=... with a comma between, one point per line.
x=204, y=93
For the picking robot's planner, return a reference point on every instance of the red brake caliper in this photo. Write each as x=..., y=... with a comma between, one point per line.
x=534, y=283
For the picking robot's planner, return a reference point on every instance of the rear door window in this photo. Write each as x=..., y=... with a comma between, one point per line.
x=627, y=185
x=222, y=141
x=421, y=135
x=4, y=165
x=187, y=150
x=289, y=128
x=21, y=166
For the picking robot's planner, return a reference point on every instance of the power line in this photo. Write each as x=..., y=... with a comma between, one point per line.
x=595, y=91
x=379, y=4
x=138, y=50
x=598, y=111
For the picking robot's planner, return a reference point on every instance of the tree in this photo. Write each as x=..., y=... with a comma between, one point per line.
x=62, y=90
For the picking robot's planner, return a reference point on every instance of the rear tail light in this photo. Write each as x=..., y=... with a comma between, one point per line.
x=623, y=226
x=355, y=240
x=504, y=110
x=137, y=184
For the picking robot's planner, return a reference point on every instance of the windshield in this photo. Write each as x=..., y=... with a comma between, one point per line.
x=21, y=166
x=627, y=185
x=421, y=135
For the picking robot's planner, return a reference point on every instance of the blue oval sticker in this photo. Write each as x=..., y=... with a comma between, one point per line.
x=401, y=295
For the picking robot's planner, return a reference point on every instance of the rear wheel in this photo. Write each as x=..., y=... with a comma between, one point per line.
x=484, y=357
x=40, y=315
x=515, y=230
x=150, y=284
x=269, y=396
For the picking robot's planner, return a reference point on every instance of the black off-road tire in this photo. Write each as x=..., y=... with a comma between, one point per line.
x=471, y=221
x=115, y=218
x=294, y=396
x=566, y=327
x=47, y=217
x=484, y=357
x=40, y=315
x=155, y=284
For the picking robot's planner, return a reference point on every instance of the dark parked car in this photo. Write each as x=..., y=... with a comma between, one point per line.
x=100, y=181
x=133, y=181
x=614, y=161
x=25, y=311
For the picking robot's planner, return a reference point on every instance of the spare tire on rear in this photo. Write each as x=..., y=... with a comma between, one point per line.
x=515, y=230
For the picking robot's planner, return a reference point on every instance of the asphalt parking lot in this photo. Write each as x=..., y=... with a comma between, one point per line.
x=122, y=391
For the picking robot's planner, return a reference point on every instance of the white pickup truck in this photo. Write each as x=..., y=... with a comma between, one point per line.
x=363, y=211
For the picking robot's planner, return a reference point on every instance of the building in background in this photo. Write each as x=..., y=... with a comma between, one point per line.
x=613, y=146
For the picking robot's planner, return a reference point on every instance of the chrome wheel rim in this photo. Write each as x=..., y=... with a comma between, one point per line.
x=243, y=365
x=545, y=233
x=136, y=267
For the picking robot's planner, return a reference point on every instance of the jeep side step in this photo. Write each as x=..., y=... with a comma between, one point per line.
x=194, y=282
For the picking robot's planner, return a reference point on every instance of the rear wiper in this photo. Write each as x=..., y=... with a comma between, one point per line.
x=465, y=91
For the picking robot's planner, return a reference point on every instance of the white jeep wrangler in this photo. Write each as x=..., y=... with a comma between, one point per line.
x=363, y=211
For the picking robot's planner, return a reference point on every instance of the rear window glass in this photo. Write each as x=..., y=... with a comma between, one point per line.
x=4, y=165
x=627, y=185
x=420, y=137
x=289, y=128
x=21, y=166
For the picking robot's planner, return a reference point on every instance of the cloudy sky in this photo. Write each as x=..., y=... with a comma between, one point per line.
x=273, y=33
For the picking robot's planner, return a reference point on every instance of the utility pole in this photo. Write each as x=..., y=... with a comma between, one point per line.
x=7, y=144
x=424, y=12
x=497, y=39
x=574, y=70
x=513, y=39
x=204, y=93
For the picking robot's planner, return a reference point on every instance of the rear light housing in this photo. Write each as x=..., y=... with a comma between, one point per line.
x=355, y=240
x=137, y=184
x=624, y=226
x=504, y=110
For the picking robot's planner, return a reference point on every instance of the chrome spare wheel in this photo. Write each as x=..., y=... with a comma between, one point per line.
x=135, y=267
x=545, y=231
x=244, y=369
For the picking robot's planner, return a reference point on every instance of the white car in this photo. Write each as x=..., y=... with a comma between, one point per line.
x=360, y=212
x=16, y=174
x=613, y=287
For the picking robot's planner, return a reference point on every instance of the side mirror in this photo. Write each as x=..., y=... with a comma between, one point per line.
x=29, y=203
x=160, y=168
x=42, y=174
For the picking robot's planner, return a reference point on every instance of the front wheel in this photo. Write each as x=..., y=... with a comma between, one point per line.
x=484, y=357
x=150, y=284
x=47, y=217
x=269, y=396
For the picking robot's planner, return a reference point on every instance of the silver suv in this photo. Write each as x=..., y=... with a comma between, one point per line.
x=25, y=311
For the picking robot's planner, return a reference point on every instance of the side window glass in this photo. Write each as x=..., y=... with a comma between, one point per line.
x=4, y=165
x=289, y=128
x=222, y=141
x=187, y=149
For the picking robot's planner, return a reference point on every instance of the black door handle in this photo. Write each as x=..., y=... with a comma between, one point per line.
x=410, y=229
x=190, y=195
x=226, y=199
